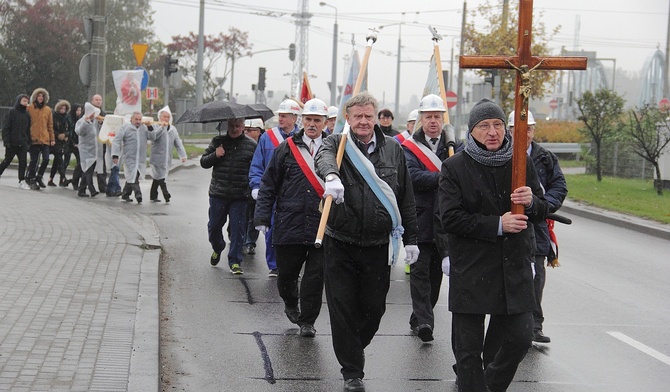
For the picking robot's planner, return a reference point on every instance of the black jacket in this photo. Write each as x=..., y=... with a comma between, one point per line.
x=389, y=131
x=362, y=219
x=230, y=174
x=489, y=274
x=16, y=129
x=297, y=213
x=61, y=126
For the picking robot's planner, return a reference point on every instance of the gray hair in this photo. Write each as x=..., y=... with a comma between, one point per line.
x=361, y=99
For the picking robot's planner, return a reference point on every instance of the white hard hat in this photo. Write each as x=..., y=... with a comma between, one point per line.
x=254, y=123
x=431, y=103
x=510, y=119
x=289, y=106
x=413, y=115
x=332, y=111
x=315, y=106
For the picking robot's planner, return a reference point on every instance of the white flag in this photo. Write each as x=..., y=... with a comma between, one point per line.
x=128, y=91
x=347, y=91
x=432, y=84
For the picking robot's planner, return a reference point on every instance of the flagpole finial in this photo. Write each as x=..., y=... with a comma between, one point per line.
x=433, y=31
x=372, y=35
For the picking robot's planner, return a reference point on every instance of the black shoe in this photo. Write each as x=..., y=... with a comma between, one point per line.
x=354, y=384
x=34, y=185
x=425, y=332
x=94, y=194
x=214, y=258
x=251, y=250
x=40, y=183
x=64, y=182
x=307, y=331
x=139, y=200
x=539, y=337
x=82, y=194
x=126, y=198
x=273, y=273
x=292, y=313
x=156, y=200
x=51, y=183
x=167, y=197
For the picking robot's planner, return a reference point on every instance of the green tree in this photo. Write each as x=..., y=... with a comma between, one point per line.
x=600, y=111
x=229, y=46
x=500, y=37
x=648, y=129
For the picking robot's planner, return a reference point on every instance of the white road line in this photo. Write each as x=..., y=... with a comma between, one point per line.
x=644, y=348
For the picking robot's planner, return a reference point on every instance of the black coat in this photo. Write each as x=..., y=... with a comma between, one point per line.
x=230, y=174
x=16, y=129
x=362, y=219
x=297, y=213
x=489, y=274
x=425, y=185
x=61, y=127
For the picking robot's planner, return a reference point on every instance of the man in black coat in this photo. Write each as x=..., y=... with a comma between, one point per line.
x=491, y=252
x=230, y=157
x=16, y=137
x=291, y=183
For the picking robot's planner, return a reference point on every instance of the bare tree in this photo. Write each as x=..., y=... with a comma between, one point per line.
x=649, y=130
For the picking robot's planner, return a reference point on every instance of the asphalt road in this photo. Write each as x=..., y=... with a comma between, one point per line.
x=606, y=311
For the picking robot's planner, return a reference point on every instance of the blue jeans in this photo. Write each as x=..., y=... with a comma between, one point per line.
x=219, y=212
x=114, y=186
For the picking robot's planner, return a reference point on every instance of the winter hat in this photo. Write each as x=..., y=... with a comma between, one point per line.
x=484, y=110
x=89, y=108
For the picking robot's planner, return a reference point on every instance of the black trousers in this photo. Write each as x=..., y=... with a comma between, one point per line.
x=21, y=153
x=507, y=341
x=57, y=164
x=37, y=150
x=155, y=184
x=76, y=175
x=357, y=279
x=538, y=282
x=87, y=181
x=290, y=260
x=425, y=280
x=133, y=186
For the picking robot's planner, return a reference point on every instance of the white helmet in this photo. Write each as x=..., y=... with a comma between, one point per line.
x=332, y=111
x=316, y=107
x=431, y=103
x=413, y=115
x=254, y=123
x=510, y=119
x=289, y=106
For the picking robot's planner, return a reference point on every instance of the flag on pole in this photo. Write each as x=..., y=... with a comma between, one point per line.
x=306, y=90
x=432, y=84
x=347, y=90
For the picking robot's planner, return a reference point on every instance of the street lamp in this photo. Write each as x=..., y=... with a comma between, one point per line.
x=397, y=75
x=333, y=75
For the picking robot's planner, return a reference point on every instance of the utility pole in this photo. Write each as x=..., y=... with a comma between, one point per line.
x=98, y=50
x=201, y=50
x=459, y=107
x=666, y=84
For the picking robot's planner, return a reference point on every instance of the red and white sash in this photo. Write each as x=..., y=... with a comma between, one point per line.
x=425, y=155
x=401, y=137
x=306, y=163
x=275, y=136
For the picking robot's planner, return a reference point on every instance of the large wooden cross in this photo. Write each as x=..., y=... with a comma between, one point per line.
x=524, y=63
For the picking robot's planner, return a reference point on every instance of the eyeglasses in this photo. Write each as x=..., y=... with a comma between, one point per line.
x=487, y=126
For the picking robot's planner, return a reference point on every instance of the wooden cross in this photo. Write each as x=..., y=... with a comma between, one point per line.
x=524, y=63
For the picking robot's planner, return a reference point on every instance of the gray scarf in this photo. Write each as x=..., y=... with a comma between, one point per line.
x=486, y=157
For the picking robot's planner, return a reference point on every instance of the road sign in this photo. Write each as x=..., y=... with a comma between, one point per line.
x=664, y=104
x=452, y=99
x=553, y=104
x=152, y=93
x=140, y=51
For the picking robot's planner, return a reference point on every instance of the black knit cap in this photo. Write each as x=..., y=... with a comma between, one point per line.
x=485, y=110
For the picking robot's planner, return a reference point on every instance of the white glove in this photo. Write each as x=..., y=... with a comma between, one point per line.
x=254, y=193
x=261, y=228
x=532, y=267
x=411, y=254
x=446, y=265
x=336, y=189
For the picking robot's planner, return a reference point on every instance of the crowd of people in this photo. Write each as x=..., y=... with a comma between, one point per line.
x=448, y=201
x=32, y=129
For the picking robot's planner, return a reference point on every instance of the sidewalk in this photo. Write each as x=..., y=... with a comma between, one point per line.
x=78, y=294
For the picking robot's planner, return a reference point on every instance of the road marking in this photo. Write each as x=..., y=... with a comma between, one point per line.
x=644, y=348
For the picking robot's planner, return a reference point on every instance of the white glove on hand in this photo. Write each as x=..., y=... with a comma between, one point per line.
x=411, y=254
x=446, y=265
x=254, y=194
x=262, y=229
x=336, y=189
x=532, y=267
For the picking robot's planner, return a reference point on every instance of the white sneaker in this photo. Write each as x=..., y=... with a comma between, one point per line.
x=24, y=185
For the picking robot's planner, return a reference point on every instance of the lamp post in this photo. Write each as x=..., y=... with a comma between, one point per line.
x=397, y=75
x=333, y=75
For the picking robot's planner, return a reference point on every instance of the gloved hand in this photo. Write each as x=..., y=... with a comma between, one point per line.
x=446, y=265
x=262, y=229
x=254, y=193
x=336, y=189
x=411, y=254
x=532, y=267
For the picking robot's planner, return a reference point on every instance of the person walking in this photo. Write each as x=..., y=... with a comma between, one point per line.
x=289, y=182
x=16, y=137
x=62, y=134
x=41, y=137
x=253, y=128
x=89, y=148
x=491, y=252
x=161, y=154
x=373, y=208
x=72, y=147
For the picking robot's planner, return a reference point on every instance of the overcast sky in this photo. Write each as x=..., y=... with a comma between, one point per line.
x=629, y=31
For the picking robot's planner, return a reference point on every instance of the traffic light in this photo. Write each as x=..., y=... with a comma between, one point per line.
x=261, y=78
x=491, y=79
x=171, y=65
x=291, y=52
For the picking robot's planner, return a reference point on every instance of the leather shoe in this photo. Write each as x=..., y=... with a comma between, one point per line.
x=307, y=331
x=354, y=384
x=425, y=332
x=292, y=314
x=539, y=337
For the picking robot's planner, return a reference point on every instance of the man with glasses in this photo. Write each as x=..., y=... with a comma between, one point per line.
x=491, y=252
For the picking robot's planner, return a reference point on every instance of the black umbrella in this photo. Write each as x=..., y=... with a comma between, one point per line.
x=216, y=111
x=264, y=111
